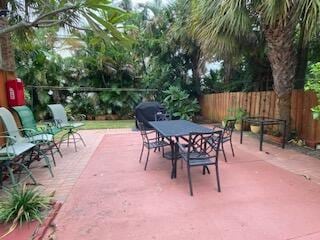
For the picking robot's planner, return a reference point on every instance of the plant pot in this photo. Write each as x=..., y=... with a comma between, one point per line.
x=223, y=123
x=255, y=128
x=237, y=126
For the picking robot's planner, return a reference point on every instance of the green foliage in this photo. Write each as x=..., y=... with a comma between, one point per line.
x=84, y=103
x=238, y=114
x=119, y=102
x=313, y=84
x=23, y=204
x=178, y=103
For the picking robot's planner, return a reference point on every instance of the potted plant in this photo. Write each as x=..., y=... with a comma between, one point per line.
x=229, y=116
x=239, y=115
x=255, y=128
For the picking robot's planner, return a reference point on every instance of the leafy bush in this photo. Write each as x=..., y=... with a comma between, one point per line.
x=118, y=102
x=23, y=204
x=84, y=103
x=313, y=84
x=179, y=104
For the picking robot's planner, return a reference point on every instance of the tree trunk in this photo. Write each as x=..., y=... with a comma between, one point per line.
x=196, y=70
x=283, y=62
x=302, y=58
x=227, y=69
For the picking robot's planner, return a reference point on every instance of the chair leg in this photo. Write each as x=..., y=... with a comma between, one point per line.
x=68, y=139
x=74, y=141
x=80, y=137
x=218, y=178
x=52, y=155
x=224, y=154
x=12, y=179
x=46, y=159
x=190, y=182
x=204, y=170
x=58, y=149
x=29, y=173
x=231, y=148
x=145, y=166
x=141, y=153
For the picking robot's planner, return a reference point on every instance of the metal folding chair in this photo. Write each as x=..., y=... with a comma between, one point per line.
x=61, y=121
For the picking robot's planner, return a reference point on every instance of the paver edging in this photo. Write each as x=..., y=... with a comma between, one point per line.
x=42, y=229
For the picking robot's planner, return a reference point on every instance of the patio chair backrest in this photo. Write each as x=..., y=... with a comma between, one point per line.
x=160, y=116
x=205, y=143
x=10, y=124
x=58, y=113
x=26, y=117
x=143, y=132
x=228, y=128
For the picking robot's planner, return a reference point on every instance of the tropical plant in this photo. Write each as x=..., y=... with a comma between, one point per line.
x=240, y=114
x=119, y=102
x=221, y=24
x=313, y=84
x=23, y=204
x=178, y=103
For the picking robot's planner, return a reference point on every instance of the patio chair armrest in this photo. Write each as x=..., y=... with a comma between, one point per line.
x=9, y=144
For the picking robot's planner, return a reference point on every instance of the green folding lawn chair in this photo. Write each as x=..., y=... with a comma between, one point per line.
x=14, y=132
x=61, y=121
x=12, y=158
x=44, y=136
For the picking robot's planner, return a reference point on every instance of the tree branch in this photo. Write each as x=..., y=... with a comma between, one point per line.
x=39, y=20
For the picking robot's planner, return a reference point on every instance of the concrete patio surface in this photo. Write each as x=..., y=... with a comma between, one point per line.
x=265, y=195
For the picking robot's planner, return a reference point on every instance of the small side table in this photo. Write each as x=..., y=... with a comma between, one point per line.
x=263, y=121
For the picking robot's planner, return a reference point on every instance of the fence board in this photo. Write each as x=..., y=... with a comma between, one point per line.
x=215, y=107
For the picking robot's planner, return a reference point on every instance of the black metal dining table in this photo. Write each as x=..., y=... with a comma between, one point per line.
x=262, y=122
x=172, y=130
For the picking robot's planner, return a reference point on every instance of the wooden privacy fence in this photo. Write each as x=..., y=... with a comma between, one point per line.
x=215, y=107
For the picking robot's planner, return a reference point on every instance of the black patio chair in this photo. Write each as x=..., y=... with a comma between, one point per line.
x=149, y=142
x=227, y=136
x=202, y=150
x=161, y=116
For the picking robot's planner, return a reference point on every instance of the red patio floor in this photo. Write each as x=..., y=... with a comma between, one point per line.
x=115, y=199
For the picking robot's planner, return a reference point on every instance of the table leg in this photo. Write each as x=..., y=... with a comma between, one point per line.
x=241, y=131
x=172, y=158
x=261, y=135
x=284, y=133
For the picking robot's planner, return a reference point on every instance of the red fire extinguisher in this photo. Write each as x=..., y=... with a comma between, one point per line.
x=15, y=92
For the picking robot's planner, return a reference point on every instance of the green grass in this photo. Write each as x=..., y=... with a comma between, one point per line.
x=108, y=124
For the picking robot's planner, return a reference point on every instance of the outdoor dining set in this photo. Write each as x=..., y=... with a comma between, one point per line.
x=194, y=144
x=29, y=143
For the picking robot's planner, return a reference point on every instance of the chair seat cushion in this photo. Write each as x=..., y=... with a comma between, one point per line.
x=72, y=125
x=42, y=138
x=16, y=149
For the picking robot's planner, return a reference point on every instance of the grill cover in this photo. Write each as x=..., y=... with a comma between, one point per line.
x=146, y=111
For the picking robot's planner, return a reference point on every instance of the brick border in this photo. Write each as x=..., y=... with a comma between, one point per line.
x=43, y=228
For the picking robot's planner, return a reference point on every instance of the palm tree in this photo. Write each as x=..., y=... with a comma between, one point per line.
x=180, y=33
x=277, y=20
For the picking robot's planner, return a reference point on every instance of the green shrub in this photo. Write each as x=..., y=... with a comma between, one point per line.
x=23, y=204
x=313, y=84
x=179, y=104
